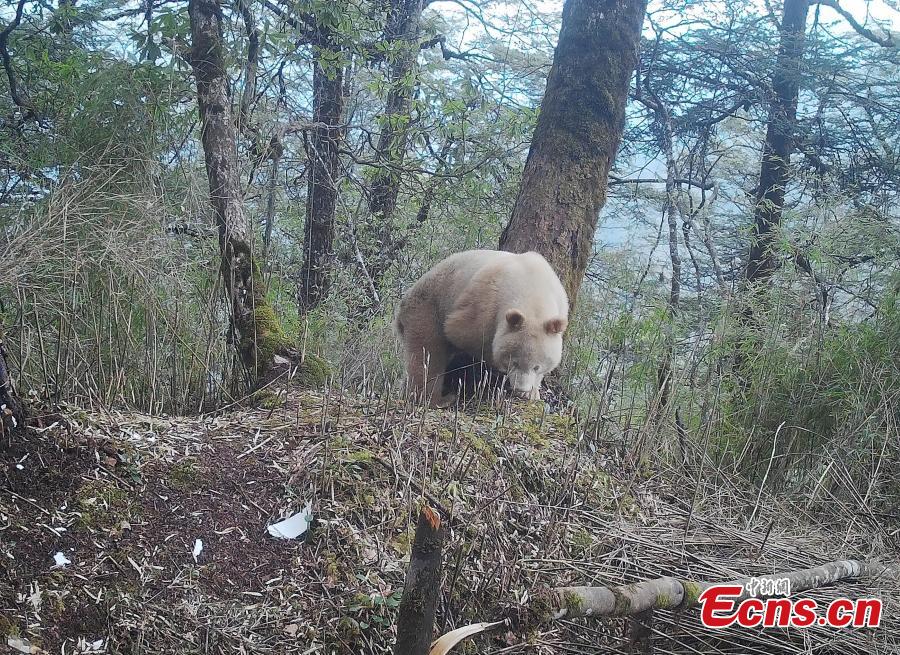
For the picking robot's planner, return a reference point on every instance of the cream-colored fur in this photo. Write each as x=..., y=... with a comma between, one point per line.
x=508, y=309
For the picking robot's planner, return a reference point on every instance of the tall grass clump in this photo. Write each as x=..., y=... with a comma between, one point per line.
x=105, y=304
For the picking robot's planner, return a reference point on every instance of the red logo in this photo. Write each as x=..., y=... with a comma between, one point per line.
x=720, y=607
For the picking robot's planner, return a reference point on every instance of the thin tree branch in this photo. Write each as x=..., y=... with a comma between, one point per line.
x=19, y=97
x=886, y=41
x=616, y=181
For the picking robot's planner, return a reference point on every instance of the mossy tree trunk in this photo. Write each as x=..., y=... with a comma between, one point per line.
x=324, y=170
x=258, y=335
x=578, y=132
x=774, y=171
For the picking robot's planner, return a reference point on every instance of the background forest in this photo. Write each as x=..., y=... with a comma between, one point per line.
x=374, y=138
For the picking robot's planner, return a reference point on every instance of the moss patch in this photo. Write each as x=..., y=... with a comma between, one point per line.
x=573, y=603
x=692, y=592
x=270, y=336
x=185, y=474
x=8, y=628
x=101, y=504
x=313, y=373
x=267, y=399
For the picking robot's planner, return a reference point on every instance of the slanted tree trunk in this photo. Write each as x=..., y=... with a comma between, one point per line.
x=324, y=170
x=774, y=170
x=666, y=369
x=578, y=132
x=12, y=412
x=402, y=34
x=258, y=334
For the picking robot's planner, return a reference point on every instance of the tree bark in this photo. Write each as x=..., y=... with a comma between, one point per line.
x=577, y=135
x=774, y=171
x=324, y=170
x=415, y=620
x=12, y=412
x=259, y=335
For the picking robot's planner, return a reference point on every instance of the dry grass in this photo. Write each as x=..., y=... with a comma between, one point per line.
x=532, y=498
x=107, y=306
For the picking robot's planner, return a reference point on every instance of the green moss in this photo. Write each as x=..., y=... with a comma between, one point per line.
x=573, y=603
x=101, y=504
x=185, y=474
x=692, y=592
x=267, y=399
x=663, y=601
x=270, y=338
x=481, y=447
x=582, y=540
x=534, y=425
x=57, y=606
x=543, y=605
x=313, y=373
x=339, y=442
x=332, y=568
x=8, y=628
x=623, y=603
x=360, y=456
x=348, y=627
x=402, y=543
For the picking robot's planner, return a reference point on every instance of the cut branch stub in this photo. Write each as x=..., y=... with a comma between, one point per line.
x=422, y=589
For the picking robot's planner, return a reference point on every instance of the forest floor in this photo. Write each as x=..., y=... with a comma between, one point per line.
x=101, y=513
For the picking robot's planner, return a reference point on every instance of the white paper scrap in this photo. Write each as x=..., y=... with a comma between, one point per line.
x=198, y=548
x=61, y=560
x=293, y=526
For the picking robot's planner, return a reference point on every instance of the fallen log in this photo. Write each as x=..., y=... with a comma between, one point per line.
x=639, y=600
x=674, y=594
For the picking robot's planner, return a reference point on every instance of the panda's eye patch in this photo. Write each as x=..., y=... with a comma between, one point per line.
x=537, y=368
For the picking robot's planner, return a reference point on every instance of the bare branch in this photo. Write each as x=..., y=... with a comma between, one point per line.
x=19, y=97
x=886, y=41
x=252, y=63
x=447, y=53
x=616, y=181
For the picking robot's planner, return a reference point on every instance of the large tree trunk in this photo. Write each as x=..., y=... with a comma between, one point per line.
x=258, y=333
x=402, y=33
x=324, y=170
x=577, y=135
x=775, y=167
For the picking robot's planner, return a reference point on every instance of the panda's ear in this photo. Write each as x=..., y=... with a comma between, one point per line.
x=555, y=325
x=515, y=319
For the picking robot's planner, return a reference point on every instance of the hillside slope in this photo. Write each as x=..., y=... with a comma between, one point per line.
x=532, y=498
